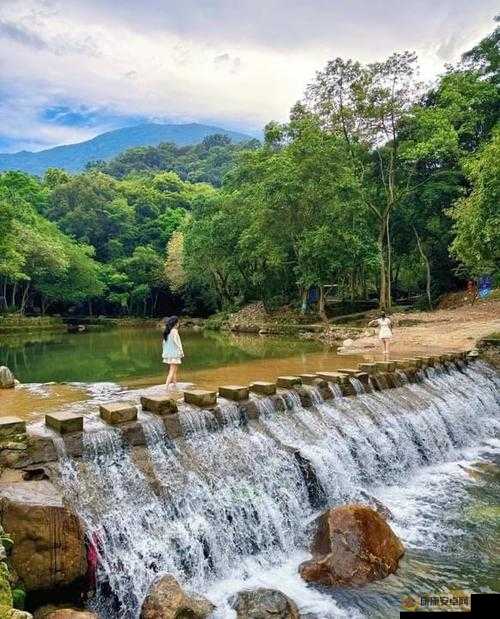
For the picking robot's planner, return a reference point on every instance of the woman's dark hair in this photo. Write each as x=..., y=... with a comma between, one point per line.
x=169, y=325
x=382, y=314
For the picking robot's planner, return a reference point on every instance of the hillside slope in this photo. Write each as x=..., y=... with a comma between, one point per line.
x=74, y=157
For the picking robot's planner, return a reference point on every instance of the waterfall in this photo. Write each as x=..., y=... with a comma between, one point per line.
x=231, y=497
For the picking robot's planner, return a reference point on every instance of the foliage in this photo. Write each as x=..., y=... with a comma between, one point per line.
x=207, y=162
x=373, y=187
x=477, y=215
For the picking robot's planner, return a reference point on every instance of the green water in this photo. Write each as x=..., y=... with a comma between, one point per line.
x=127, y=354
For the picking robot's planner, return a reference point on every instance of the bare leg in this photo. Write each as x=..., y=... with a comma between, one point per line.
x=386, y=346
x=170, y=376
x=174, y=378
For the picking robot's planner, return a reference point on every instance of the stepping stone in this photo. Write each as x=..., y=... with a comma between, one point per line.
x=309, y=379
x=333, y=377
x=349, y=371
x=200, y=397
x=263, y=388
x=369, y=368
x=408, y=364
x=288, y=382
x=64, y=422
x=386, y=366
x=417, y=361
x=115, y=413
x=10, y=427
x=159, y=404
x=236, y=393
x=404, y=364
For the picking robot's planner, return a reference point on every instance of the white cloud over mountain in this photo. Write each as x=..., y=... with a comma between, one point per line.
x=235, y=64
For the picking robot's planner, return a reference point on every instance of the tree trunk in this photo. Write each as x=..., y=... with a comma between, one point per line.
x=321, y=308
x=14, y=290
x=383, y=281
x=303, y=306
x=24, y=298
x=427, y=268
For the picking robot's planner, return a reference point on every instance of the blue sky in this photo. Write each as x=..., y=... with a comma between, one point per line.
x=70, y=69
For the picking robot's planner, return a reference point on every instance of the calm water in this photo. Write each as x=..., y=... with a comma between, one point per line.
x=125, y=355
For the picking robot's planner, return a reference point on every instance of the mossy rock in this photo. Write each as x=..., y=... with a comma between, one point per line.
x=7, y=542
x=5, y=590
x=18, y=598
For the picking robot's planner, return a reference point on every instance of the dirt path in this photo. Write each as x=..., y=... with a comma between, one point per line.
x=446, y=330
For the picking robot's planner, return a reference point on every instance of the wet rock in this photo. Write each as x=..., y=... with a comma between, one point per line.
x=167, y=600
x=264, y=604
x=52, y=612
x=49, y=548
x=7, y=380
x=353, y=545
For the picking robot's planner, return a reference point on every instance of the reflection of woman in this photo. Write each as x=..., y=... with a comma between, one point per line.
x=172, y=352
x=385, y=330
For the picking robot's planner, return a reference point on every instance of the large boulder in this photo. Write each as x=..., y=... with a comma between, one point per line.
x=264, y=604
x=7, y=380
x=49, y=550
x=353, y=545
x=167, y=600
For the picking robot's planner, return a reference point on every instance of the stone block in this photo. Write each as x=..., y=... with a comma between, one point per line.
x=115, y=413
x=64, y=422
x=386, y=366
x=249, y=409
x=333, y=377
x=308, y=379
x=263, y=388
x=200, y=397
x=159, y=404
x=288, y=382
x=349, y=371
x=369, y=368
x=417, y=362
x=236, y=393
x=173, y=427
x=11, y=428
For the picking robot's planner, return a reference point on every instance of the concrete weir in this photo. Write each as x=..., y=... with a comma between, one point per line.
x=33, y=449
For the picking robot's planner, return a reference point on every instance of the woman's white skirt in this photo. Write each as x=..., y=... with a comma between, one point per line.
x=171, y=360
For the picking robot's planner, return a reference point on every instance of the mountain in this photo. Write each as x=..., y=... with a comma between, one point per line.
x=74, y=157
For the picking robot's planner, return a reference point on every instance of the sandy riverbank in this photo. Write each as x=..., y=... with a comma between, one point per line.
x=445, y=330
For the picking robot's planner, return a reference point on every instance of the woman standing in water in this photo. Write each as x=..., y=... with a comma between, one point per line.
x=385, y=330
x=172, y=350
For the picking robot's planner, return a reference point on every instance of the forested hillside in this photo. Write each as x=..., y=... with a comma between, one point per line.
x=75, y=157
x=206, y=162
x=375, y=185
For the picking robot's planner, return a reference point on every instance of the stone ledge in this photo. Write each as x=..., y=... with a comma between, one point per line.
x=333, y=377
x=11, y=427
x=159, y=404
x=115, y=413
x=263, y=388
x=200, y=397
x=64, y=422
x=288, y=382
x=236, y=393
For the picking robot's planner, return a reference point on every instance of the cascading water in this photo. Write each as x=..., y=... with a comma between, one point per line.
x=219, y=508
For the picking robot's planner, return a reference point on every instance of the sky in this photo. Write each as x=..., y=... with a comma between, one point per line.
x=71, y=69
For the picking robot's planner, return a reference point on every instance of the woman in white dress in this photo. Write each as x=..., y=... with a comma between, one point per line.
x=384, y=332
x=172, y=351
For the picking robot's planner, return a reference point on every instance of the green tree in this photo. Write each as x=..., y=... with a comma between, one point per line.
x=477, y=216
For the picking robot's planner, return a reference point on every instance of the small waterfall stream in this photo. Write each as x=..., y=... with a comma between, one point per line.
x=229, y=503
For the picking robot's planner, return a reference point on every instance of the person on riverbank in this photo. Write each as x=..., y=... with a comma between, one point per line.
x=172, y=352
x=384, y=325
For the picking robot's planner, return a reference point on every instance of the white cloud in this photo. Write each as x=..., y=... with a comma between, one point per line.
x=235, y=64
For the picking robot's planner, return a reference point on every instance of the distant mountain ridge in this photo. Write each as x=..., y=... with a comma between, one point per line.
x=74, y=157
